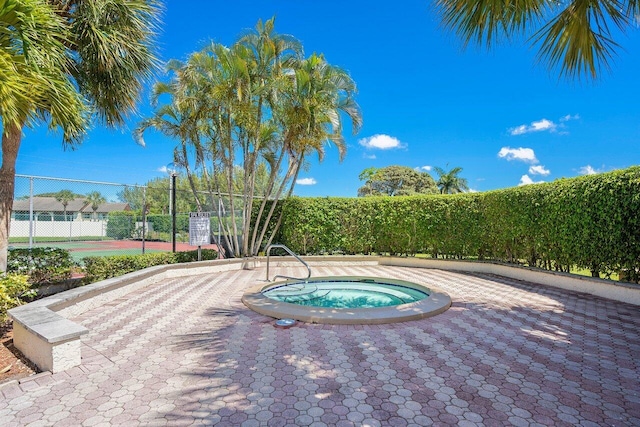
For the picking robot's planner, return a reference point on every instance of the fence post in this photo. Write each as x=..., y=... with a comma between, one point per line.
x=173, y=211
x=30, y=212
x=144, y=214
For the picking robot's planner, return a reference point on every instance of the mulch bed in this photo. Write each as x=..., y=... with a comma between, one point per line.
x=13, y=365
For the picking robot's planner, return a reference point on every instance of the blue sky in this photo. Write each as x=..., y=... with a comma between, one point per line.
x=425, y=101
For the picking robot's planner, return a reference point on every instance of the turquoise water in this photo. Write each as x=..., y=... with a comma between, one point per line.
x=345, y=294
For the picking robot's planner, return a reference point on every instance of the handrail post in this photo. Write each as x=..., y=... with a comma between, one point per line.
x=290, y=252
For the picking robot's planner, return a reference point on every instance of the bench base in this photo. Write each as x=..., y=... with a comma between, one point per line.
x=53, y=357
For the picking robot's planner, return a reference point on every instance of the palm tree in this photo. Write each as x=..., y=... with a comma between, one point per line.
x=62, y=59
x=177, y=120
x=311, y=115
x=259, y=105
x=64, y=197
x=450, y=182
x=573, y=36
x=95, y=199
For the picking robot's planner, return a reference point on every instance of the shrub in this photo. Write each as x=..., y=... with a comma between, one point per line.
x=15, y=289
x=100, y=268
x=121, y=225
x=191, y=256
x=163, y=223
x=42, y=265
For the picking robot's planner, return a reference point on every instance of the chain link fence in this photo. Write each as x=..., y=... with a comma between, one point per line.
x=91, y=218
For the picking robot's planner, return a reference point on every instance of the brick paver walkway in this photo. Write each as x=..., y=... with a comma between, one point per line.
x=186, y=351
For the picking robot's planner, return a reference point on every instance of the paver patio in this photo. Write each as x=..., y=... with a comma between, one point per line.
x=187, y=352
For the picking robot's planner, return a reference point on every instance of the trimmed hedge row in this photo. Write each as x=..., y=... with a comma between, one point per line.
x=590, y=222
x=42, y=265
x=105, y=267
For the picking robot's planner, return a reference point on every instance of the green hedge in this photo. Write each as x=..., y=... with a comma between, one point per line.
x=42, y=265
x=121, y=225
x=590, y=222
x=192, y=256
x=105, y=267
x=163, y=223
x=15, y=290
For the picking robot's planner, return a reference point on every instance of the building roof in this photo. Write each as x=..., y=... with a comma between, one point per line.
x=50, y=204
x=107, y=207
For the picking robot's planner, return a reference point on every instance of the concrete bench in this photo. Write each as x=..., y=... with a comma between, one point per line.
x=45, y=335
x=46, y=338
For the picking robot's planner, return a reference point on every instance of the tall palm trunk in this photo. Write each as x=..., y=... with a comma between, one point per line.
x=11, y=139
x=298, y=166
x=185, y=163
x=292, y=171
x=255, y=244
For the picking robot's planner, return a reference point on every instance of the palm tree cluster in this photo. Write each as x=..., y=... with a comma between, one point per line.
x=64, y=62
x=258, y=103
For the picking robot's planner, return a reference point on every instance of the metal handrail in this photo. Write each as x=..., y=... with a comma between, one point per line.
x=293, y=255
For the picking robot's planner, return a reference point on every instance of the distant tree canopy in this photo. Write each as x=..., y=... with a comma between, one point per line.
x=395, y=181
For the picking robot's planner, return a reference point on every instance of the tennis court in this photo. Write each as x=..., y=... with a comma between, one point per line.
x=81, y=249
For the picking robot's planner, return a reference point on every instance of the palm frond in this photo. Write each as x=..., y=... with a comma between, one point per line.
x=578, y=40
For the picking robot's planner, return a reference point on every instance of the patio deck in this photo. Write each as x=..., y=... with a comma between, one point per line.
x=187, y=352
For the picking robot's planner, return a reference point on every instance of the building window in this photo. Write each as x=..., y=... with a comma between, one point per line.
x=44, y=216
x=20, y=215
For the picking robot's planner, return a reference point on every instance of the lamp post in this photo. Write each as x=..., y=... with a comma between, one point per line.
x=173, y=173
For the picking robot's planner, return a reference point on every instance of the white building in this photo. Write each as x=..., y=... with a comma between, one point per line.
x=51, y=219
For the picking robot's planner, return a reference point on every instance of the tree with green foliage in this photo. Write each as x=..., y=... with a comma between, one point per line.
x=176, y=120
x=64, y=197
x=62, y=61
x=260, y=105
x=95, y=199
x=395, y=181
x=577, y=37
x=450, y=182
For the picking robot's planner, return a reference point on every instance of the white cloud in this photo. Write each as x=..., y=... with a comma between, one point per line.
x=587, y=170
x=381, y=142
x=539, y=170
x=425, y=168
x=369, y=156
x=306, y=181
x=518, y=130
x=525, y=180
x=522, y=154
x=537, y=126
x=543, y=125
x=170, y=168
x=569, y=117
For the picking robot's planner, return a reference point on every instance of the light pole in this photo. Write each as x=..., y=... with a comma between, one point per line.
x=173, y=173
